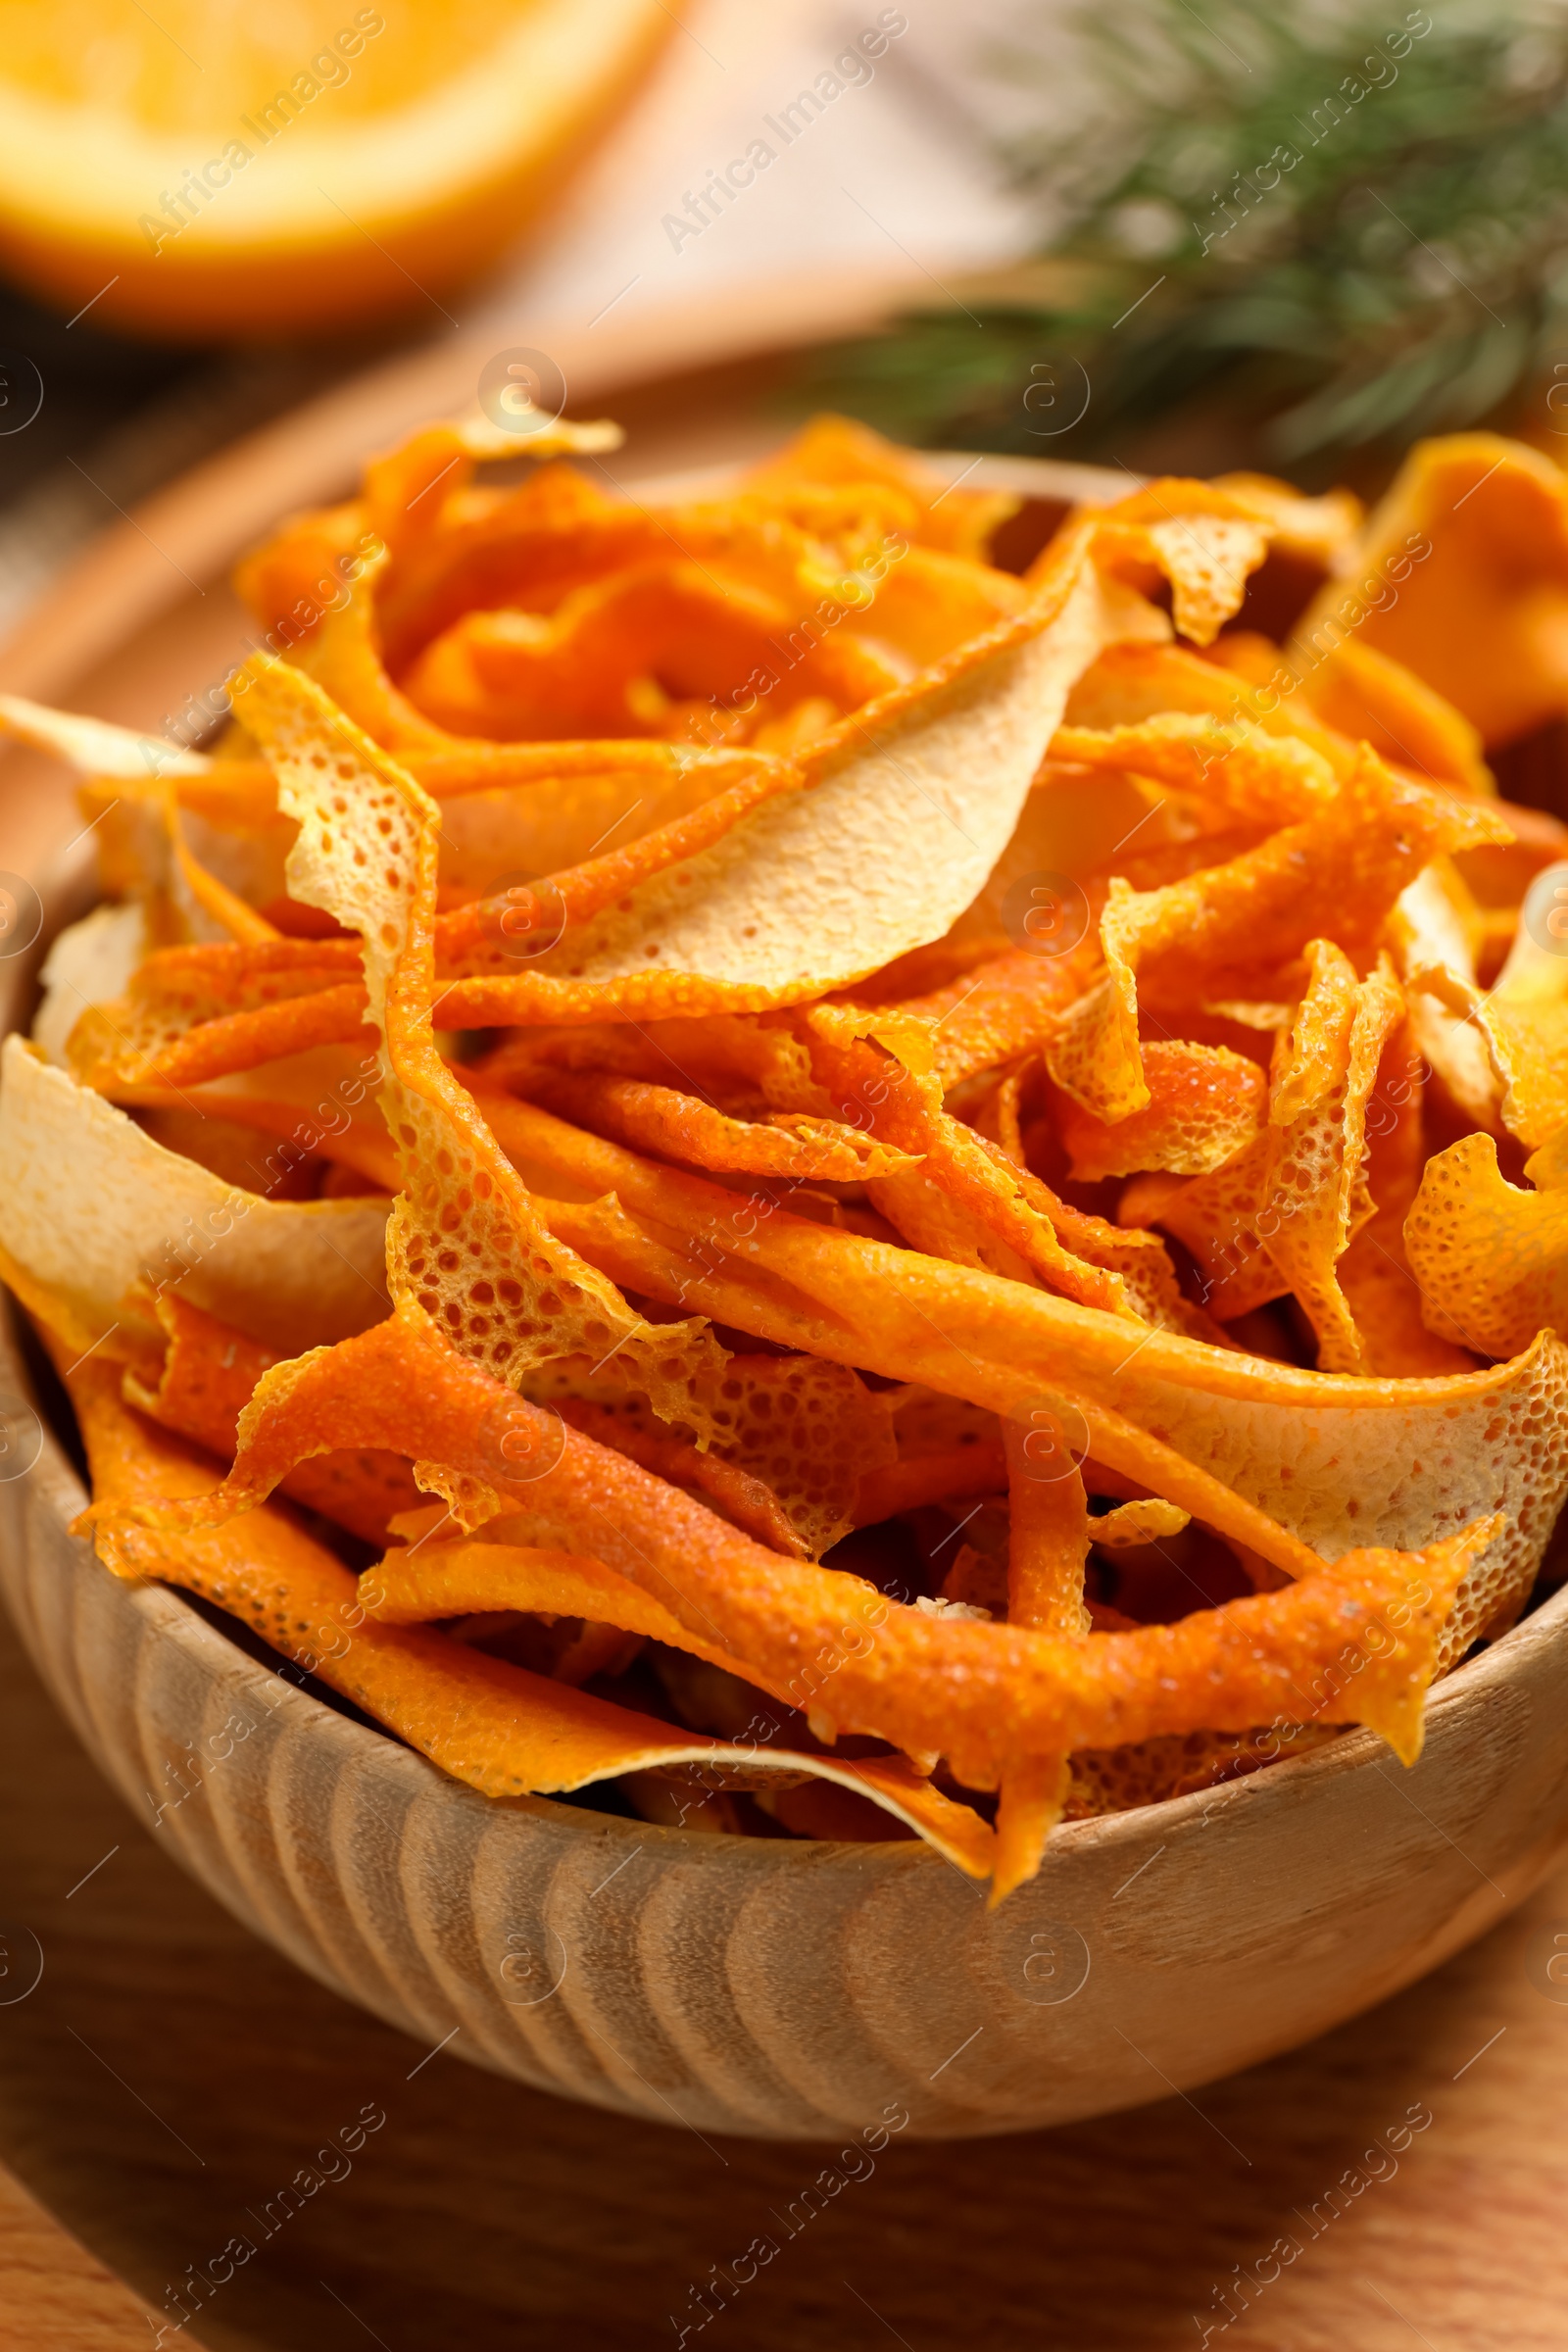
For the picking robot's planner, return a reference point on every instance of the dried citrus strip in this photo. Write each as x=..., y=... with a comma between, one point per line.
x=421, y=1584
x=969, y=1201
x=1369, y=698
x=1491, y=1259
x=1048, y=1544
x=792, y=1438
x=1522, y=1019
x=833, y=448
x=180, y=1020
x=1206, y=1103
x=1433, y=936
x=502, y=1730
x=742, y=1499
x=1007, y=1005
x=1203, y=541
x=190, y=1010
x=914, y=798
x=1267, y=778
x=96, y=746
x=1033, y=1799
x=594, y=664
x=1338, y=874
x=1311, y=531
x=219, y=904
x=1315, y=1171
x=1474, y=535
x=465, y=1237
x=989, y=1697
x=1131, y=684
x=161, y=1049
x=1003, y=1006
x=396, y=486
x=1282, y=1215
x=1049, y=1531
x=952, y=1475
x=678, y=1126
x=1376, y=1275
x=899, y=1097
x=204, y=1384
x=92, y=1206
x=344, y=657
x=1277, y=1459
x=318, y=1103
x=479, y=937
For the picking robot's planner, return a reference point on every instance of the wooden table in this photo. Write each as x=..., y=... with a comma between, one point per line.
x=169, y=2076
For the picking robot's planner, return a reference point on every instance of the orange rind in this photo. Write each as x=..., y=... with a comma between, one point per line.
x=831, y=1121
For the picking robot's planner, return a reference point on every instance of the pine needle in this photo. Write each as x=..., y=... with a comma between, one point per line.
x=1344, y=234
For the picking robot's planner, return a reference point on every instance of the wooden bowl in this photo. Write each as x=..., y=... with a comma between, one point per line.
x=772, y=1988
x=798, y=1990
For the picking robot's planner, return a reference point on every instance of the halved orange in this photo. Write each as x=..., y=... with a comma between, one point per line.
x=213, y=167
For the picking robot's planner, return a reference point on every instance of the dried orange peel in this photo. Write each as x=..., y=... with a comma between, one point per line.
x=983, y=1695
x=503, y=1730
x=734, y=1083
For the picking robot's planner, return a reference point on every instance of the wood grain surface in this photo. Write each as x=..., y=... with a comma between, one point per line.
x=52, y=2291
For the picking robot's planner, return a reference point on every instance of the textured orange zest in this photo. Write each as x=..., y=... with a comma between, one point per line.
x=1048, y=1533
x=355, y=1146
x=949, y=1476
x=502, y=1730
x=1202, y=1101
x=903, y=1108
x=477, y=932
x=208, y=1375
x=422, y=1582
x=233, y=1042
x=514, y=1293
x=1002, y=1347
x=659, y=1118
x=986, y=1695
x=746, y=1499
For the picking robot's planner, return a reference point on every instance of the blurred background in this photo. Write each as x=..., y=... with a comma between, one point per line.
x=1143, y=233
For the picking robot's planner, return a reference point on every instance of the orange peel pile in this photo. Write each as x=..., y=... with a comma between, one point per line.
x=845, y=1165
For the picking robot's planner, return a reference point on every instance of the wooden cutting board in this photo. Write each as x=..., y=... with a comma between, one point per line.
x=168, y=2079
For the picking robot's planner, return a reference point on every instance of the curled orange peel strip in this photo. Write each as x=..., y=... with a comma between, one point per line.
x=1206, y=1103
x=1281, y=1215
x=505, y=1731
x=1290, y=1464
x=1336, y=874
x=679, y=1126
x=792, y=1436
x=207, y=1376
x=986, y=1695
x=464, y=1238
x=1047, y=1545
x=1267, y=778
x=1491, y=1257
x=475, y=938
x=893, y=794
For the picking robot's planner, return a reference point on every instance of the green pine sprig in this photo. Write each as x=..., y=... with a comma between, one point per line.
x=1338, y=235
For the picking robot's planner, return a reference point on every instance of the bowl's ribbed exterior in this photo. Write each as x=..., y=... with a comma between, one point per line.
x=796, y=1989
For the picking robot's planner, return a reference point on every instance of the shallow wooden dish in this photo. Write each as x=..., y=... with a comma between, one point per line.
x=777, y=1989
